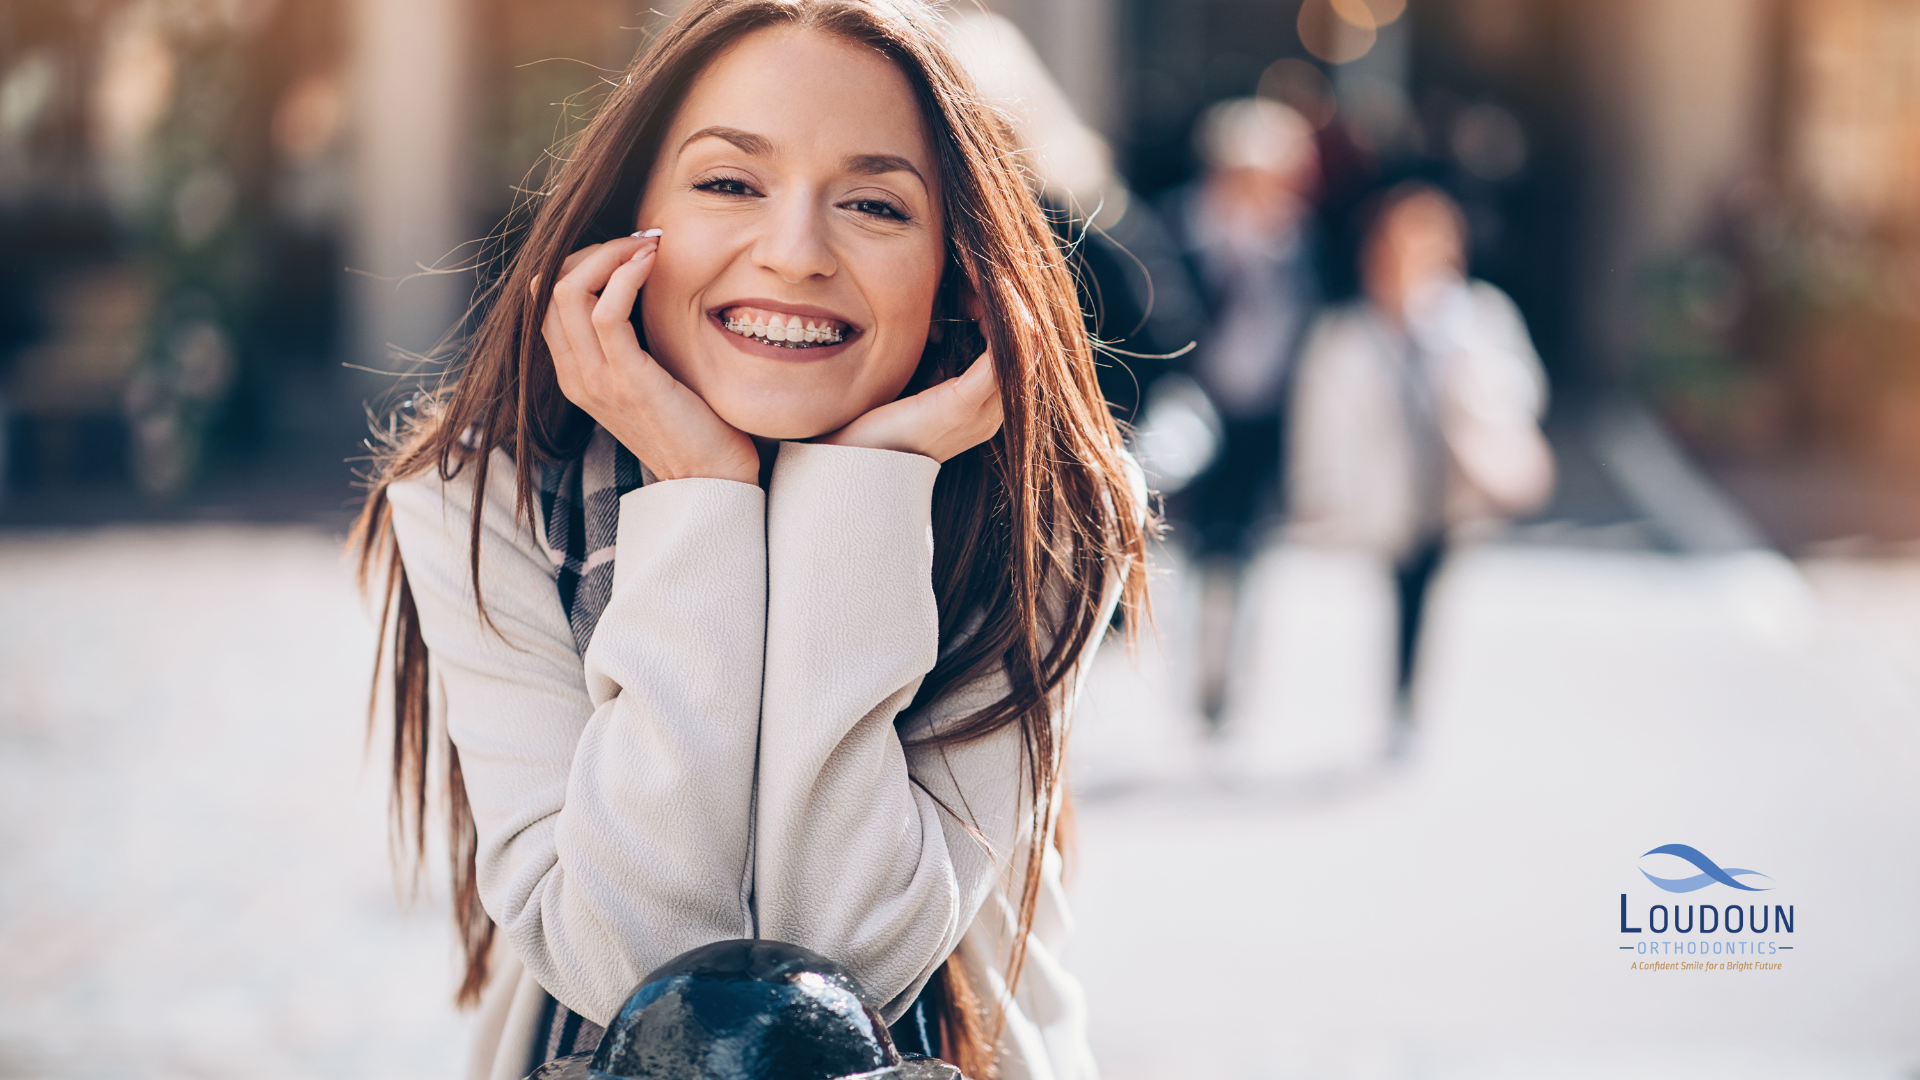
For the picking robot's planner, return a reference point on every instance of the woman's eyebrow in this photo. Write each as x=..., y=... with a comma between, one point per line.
x=758, y=145
x=761, y=146
x=875, y=164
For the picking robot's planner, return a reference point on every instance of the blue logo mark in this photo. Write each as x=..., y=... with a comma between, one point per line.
x=1710, y=872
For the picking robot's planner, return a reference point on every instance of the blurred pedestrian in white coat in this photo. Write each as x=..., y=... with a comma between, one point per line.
x=1417, y=409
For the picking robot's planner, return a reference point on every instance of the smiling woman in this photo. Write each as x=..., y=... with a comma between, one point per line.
x=664, y=541
x=783, y=208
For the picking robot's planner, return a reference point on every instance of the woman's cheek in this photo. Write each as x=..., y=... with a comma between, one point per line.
x=660, y=339
x=906, y=287
x=668, y=308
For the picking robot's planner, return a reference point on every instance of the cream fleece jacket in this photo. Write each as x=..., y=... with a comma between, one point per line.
x=726, y=760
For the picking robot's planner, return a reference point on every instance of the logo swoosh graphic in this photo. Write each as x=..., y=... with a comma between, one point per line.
x=1710, y=872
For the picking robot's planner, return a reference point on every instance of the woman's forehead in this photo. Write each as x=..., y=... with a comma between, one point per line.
x=787, y=91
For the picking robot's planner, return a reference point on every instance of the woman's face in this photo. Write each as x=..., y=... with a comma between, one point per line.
x=803, y=239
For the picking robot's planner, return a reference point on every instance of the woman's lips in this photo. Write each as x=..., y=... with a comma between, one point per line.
x=783, y=329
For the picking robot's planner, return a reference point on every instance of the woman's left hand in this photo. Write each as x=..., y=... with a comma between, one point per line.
x=937, y=422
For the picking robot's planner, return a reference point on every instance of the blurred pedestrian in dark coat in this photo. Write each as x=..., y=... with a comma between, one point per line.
x=1246, y=226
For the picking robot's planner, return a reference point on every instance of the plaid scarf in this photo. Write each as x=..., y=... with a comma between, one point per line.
x=580, y=502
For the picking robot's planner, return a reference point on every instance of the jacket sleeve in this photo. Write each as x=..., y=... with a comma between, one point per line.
x=855, y=856
x=1493, y=395
x=613, y=806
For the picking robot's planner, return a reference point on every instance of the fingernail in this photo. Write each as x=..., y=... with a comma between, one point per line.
x=644, y=233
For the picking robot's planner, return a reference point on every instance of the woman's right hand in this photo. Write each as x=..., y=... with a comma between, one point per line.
x=602, y=368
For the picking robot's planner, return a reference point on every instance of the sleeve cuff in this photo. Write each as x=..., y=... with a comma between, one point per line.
x=850, y=557
x=659, y=516
x=872, y=490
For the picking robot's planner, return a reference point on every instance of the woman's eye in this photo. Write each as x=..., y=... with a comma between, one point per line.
x=724, y=185
x=877, y=208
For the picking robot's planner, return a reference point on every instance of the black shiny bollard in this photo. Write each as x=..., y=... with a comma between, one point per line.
x=746, y=1010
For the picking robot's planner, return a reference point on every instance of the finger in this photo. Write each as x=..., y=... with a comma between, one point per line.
x=613, y=312
x=578, y=257
x=565, y=341
x=566, y=265
x=585, y=272
x=979, y=382
x=576, y=293
x=561, y=351
x=571, y=262
x=979, y=387
x=570, y=340
x=614, y=250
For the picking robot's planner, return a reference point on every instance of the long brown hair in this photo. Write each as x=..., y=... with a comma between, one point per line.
x=1030, y=527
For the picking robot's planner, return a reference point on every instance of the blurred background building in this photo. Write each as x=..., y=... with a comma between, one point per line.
x=222, y=217
x=233, y=233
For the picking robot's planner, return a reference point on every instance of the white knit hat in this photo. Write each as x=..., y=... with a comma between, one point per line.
x=1253, y=133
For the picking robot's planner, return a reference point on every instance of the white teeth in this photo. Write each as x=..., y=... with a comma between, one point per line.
x=785, y=329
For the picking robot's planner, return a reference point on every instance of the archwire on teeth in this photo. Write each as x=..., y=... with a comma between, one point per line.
x=789, y=330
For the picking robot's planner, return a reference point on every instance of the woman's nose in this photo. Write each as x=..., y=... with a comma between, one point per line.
x=795, y=242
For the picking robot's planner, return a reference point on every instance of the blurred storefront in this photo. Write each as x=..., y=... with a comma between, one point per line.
x=221, y=218
x=171, y=190
x=231, y=227
x=1778, y=330
x=215, y=218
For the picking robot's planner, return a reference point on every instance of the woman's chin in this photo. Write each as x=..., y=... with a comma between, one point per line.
x=781, y=425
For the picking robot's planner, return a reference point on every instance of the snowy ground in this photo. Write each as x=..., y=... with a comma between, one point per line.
x=1286, y=903
x=193, y=879
x=193, y=871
